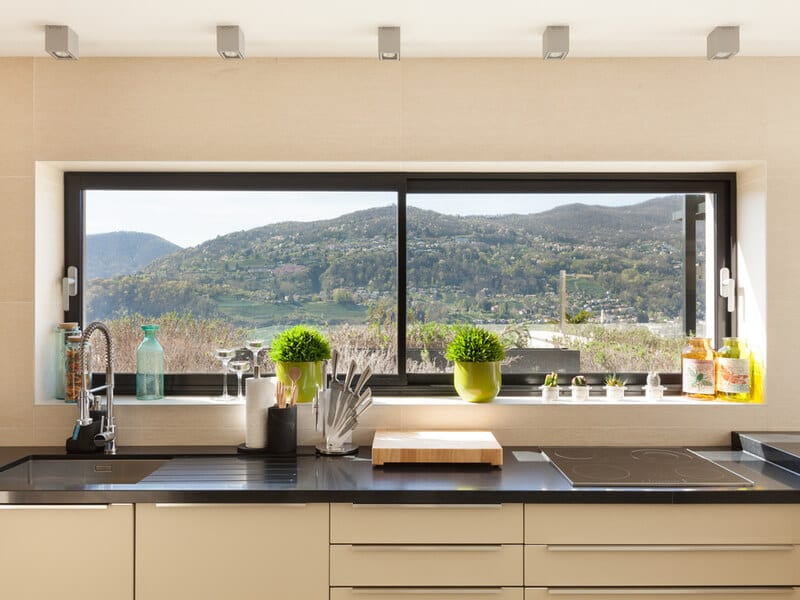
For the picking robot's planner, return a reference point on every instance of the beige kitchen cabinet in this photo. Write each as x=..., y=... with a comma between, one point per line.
x=242, y=551
x=426, y=565
x=66, y=552
x=662, y=565
x=576, y=550
x=662, y=523
x=426, y=523
x=438, y=550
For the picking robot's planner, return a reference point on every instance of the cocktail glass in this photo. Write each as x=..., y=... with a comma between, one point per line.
x=225, y=355
x=240, y=367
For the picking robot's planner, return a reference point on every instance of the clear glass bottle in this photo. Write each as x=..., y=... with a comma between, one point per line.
x=73, y=380
x=149, y=366
x=63, y=330
x=734, y=370
x=697, y=366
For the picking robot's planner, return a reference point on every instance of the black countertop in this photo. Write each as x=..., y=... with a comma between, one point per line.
x=218, y=474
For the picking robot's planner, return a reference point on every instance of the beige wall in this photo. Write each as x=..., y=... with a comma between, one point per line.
x=525, y=114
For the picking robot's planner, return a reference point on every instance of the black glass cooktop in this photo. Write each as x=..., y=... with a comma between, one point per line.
x=610, y=466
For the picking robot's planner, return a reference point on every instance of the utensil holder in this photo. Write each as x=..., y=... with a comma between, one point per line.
x=282, y=430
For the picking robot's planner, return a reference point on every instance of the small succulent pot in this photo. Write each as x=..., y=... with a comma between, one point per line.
x=653, y=392
x=477, y=381
x=580, y=392
x=550, y=387
x=310, y=377
x=615, y=392
x=549, y=392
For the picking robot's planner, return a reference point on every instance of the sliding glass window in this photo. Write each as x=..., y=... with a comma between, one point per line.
x=577, y=273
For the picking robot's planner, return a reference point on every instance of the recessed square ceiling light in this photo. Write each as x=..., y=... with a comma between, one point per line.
x=61, y=42
x=389, y=43
x=230, y=41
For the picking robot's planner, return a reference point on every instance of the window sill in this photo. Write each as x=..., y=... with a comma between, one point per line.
x=426, y=401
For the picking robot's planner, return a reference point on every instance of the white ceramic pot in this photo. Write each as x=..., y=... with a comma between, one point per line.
x=549, y=393
x=580, y=393
x=615, y=392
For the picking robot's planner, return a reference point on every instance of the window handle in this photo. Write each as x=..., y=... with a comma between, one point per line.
x=69, y=286
x=727, y=288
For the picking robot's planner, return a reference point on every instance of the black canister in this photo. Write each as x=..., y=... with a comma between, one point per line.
x=282, y=430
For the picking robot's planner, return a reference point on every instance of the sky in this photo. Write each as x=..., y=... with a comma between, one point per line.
x=187, y=218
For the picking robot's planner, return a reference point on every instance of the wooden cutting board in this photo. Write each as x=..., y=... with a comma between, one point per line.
x=436, y=447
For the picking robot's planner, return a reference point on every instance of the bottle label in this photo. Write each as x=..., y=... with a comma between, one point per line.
x=733, y=375
x=698, y=376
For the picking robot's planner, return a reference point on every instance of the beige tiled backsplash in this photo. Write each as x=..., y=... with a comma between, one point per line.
x=464, y=114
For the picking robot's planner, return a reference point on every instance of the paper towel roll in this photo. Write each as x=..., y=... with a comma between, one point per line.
x=259, y=395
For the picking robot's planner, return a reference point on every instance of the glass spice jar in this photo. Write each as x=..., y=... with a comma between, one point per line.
x=72, y=367
x=697, y=367
x=63, y=331
x=734, y=370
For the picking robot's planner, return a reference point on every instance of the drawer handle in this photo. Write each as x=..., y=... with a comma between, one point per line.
x=445, y=506
x=666, y=591
x=53, y=506
x=225, y=505
x=414, y=548
x=668, y=548
x=426, y=591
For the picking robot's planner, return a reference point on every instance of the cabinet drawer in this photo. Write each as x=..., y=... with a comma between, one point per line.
x=662, y=524
x=426, y=524
x=410, y=565
x=727, y=566
x=492, y=593
x=666, y=593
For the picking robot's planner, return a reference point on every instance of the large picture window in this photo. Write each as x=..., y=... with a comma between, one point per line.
x=577, y=273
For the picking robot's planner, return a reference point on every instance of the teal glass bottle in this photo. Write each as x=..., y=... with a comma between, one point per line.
x=149, y=366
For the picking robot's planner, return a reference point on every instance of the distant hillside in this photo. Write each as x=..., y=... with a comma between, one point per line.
x=484, y=266
x=123, y=252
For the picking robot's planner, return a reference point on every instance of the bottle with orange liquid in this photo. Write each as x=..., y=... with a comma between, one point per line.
x=734, y=371
x=697, y=366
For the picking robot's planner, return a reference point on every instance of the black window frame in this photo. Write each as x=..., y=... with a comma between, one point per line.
x=722, y=185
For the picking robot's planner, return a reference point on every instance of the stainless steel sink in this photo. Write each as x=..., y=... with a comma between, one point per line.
x=70, y=473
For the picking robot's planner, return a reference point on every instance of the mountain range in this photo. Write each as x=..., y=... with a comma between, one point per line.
x=473, y=263
x=123, y=252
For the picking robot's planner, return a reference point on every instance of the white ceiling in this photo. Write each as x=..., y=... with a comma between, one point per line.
x=430, y=28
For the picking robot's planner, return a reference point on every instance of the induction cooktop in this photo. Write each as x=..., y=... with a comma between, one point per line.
x=612, y=466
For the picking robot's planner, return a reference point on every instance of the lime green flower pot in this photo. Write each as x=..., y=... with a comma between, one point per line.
x=477, y=382
x=310, y=378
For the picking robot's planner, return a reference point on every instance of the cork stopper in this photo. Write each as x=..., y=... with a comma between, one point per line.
x=74, y=339
x=68, y=326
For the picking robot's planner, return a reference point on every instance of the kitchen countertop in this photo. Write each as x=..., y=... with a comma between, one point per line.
x=218, y=474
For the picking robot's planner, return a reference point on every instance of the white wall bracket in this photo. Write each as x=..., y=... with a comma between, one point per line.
x=727, y=288
x=69, y=286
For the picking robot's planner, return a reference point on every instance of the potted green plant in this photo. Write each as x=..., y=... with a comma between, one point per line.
x=615, y=387
x=476, y=354
x=298, y=353
x=550, y=387
x=579, y=388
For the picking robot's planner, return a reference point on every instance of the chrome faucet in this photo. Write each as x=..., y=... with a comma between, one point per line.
x=108, y=430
